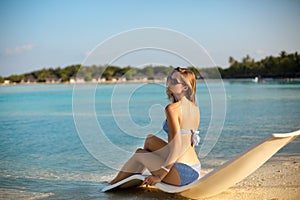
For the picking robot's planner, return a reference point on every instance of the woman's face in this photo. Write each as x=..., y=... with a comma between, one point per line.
x=175, y=85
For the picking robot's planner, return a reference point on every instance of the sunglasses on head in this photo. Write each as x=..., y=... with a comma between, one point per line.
x=173, y=81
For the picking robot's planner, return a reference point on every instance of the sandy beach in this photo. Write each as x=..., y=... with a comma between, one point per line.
x=277, y=179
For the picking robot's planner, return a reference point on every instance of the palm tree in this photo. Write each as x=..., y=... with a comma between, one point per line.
x=231, y=60
x=282, y=54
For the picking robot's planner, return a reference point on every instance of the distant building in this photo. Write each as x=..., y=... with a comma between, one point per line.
x=72, y=81
x=122, y=79
x=160, y=76
x=140, y=77
x=53, y=79
x=6, y=82
x=76, y=80
x=101, y=80
x=29, y=79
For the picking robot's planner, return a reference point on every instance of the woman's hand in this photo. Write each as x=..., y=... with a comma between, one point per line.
x=151, y=180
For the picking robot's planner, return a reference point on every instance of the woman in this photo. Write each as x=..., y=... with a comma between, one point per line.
x=174, y=162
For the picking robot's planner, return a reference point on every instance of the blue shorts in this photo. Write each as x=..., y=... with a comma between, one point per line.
x=187, y=173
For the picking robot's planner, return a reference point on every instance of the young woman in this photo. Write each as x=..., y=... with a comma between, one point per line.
x=175, y=161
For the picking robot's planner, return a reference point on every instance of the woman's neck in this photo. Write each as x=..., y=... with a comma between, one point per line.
x=179, y=97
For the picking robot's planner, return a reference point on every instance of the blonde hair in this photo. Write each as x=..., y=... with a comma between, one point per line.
x=189, y=79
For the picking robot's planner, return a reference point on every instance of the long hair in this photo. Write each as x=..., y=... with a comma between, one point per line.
x=189, y=79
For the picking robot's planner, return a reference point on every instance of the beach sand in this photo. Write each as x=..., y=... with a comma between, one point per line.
x=20, y=195
x=277, y=179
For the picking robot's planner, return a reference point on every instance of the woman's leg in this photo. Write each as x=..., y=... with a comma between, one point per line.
x=156, y=145
x=152, y=159
x=160, y=147
x=143, y=159
x=137, y=163
x=131, y=167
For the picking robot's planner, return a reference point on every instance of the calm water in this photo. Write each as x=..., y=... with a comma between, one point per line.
x=41, y=151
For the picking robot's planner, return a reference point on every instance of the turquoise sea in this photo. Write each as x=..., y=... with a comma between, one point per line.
x=43, y=156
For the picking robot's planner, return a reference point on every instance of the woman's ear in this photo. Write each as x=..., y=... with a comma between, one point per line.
x=185, y=88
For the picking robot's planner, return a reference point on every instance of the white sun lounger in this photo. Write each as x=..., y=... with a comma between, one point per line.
x=223, y=177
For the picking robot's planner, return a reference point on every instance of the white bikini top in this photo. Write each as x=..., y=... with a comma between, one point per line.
x=195, y=133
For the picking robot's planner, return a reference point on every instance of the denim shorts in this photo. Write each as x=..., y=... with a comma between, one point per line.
x=187, y=173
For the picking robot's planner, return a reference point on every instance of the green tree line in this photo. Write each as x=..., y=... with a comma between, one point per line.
x=88, y=73
x=283, y=66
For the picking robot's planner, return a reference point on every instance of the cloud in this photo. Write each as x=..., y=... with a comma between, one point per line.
x=18, y=49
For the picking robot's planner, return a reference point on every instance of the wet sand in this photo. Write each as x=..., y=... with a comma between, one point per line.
x=19, y=194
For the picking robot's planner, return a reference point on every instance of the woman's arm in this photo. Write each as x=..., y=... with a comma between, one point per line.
x=174, y=137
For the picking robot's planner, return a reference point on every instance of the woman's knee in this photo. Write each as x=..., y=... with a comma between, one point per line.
x=148, y=141
x=140, y=150
x=149, y=136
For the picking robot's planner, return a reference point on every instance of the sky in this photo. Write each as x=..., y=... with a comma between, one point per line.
x=57, y=33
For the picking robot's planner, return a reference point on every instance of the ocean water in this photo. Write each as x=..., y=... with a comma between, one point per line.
x=45, y=153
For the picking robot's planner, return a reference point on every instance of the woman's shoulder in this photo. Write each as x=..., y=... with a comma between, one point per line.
x=173, y=107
